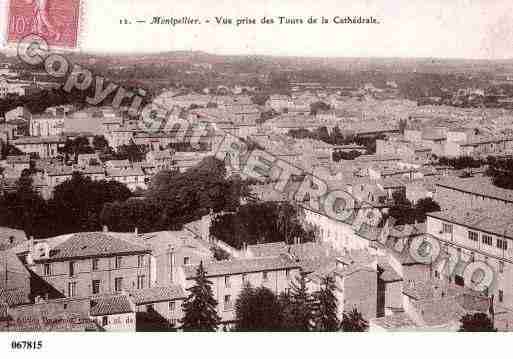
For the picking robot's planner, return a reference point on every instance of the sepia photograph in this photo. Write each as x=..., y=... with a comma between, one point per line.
x=258, y=166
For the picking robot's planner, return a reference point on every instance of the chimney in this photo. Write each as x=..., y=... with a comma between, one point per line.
x=105, y=228
x=136, y=231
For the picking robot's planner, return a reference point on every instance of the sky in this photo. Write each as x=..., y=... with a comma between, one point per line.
x=474, y=29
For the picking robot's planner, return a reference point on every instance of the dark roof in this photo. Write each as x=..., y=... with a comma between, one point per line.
x=95, y=244
x=157, y=294
x=111, y=304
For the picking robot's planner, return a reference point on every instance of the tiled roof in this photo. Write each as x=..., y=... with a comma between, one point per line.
x=268, y=249
x=439, y=312
x=93, y=244
x=14, y=297
x=477, y=185
x=157, y=294
x=246, y=265
x=111, y=304
x=18, y=276
x=398, y=320
x=498, y=223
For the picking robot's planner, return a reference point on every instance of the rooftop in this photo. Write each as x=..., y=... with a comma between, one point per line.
x=38, y=140
x=245, y=265
x=498, y=223
x=399, y=320
x=481, y=186
x=111, y=304
x=13, y=297
x=95, y=244
x=157, y=294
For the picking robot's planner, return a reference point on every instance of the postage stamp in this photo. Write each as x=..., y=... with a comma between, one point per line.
x=57, y=21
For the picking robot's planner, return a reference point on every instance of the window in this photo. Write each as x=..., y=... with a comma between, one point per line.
x=227, y=281
x=140, y=261
x=118, y=284
x=172, y=306
x=437, y=274
x=105, y=321
x=47, y=269
x=446, y=228
x=502, y=244
x=72, y=289
x=501, y=267
x=264, y=276
x=459, y=280
x=185, y=260
x=244, y=278
x=473, y=236
x=71, y=269
x=501, y=295
x=95, y=264
x=287, y=273
x=227, y=302
x=95, y=286
x=487, y=239
x=118, y=262
x=140, y=281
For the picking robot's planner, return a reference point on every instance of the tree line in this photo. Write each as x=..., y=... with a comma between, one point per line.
x=262, y=222
x=81, y=204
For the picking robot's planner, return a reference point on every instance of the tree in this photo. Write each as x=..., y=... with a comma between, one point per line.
x=188, y=196
x=257, y=309
x=145, y=215
x=78, y=202
x=132, y=152
x=300, y=314
x=100, y=143
x=25, y=208
x=200, y=307
x=477, y=322
x=263, y=222
x=74, y=147
x=424, y=206
x=402, y=209
x=325, y=316
x=353, y=322
x=318, y=106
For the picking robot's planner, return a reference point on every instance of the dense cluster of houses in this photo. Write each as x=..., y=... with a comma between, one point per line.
x=134, y=281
